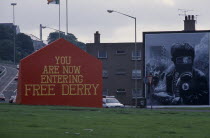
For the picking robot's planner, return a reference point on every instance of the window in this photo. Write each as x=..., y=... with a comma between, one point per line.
x=121, y=72
x=119, y=52
x=105, y=74
x=102, y=54
x=136, y=55
x=120, y=90
x=136, y=74
x=105, y=92
x=136, y=93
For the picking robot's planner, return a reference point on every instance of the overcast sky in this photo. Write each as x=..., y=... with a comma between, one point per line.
x=88, y=16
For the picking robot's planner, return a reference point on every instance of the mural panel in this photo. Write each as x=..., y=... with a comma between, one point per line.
x=179, y=64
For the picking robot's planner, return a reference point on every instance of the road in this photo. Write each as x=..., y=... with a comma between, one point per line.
x=7, y=83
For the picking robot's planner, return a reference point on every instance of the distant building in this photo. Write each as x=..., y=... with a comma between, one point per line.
x=10, y=25
x=119, y=72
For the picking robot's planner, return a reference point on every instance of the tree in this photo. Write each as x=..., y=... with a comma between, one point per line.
x=6, y=32
x=69, y=37
x=6, y=43
x=24, y=46
x=6, y=50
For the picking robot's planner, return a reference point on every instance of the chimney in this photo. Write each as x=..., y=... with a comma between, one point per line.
x=189, y=23
x=97, y=38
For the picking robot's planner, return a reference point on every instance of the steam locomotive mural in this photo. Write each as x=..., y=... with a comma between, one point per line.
x=179, y=64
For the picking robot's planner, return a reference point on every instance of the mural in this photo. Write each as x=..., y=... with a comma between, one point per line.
x=179, y=64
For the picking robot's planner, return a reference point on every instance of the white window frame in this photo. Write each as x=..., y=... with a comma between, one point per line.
x=105, y=74
x=136, y=74
x=100, y=56
x=121, y=72
x=105, y=92
x=121, y=90
x=120, y=53
x=138, y=94
x=136, y=56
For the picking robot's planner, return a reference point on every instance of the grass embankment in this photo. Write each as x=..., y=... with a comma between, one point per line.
x=21, y=121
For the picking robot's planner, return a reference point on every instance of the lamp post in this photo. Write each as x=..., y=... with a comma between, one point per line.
x=67, y=17
x=135, y=49
x=43, y=27
x=40, y=28
x=14, y=28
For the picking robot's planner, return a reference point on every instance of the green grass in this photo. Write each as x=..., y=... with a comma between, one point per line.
x=22, y=121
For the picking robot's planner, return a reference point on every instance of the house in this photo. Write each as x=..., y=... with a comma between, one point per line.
x=123, y=68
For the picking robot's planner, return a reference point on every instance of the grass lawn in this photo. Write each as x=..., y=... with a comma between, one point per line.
x=22, y=121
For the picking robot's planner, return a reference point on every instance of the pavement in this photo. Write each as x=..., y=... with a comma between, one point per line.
x=177, y=106
x=187, y=108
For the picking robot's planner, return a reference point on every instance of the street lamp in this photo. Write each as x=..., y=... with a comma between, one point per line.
x=67, y=17
x=13, y=4
x=43, y=27
x=135, y=63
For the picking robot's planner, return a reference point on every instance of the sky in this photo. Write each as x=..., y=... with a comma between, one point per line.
x=88, y=16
